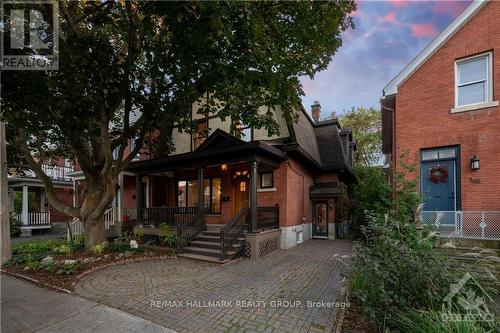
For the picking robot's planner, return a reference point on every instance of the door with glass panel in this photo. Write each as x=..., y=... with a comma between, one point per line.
x=320, y=218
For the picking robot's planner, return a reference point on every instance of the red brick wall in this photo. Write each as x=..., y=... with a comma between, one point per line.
x=423, y=118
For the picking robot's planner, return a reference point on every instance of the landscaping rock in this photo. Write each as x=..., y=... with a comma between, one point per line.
x=70, y=262
x=47, y=260
x=26, y=268
x=106, y=256
x=87, y=260
x=128, y=253
x=133, y=244
x=120, y=255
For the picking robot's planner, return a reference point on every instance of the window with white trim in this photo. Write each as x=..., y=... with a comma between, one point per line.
x=473, y=80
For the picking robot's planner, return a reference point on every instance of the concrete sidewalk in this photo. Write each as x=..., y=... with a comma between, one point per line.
x=26, y=307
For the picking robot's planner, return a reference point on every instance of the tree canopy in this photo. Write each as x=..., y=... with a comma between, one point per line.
x=150, y=60
x=367, y=130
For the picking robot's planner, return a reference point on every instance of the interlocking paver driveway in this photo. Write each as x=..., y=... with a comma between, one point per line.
x=308, y=272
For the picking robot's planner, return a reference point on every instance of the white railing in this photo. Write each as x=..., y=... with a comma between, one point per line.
x=38, y=218
x=56, y=172
x=76, y=227
x=465, y=224
x=110, y=218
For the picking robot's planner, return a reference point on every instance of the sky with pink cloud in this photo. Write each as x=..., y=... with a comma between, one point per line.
x=386, y=37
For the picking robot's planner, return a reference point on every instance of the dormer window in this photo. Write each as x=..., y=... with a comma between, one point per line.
x=473, y=82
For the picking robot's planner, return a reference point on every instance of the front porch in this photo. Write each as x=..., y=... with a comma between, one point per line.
x=211, y=192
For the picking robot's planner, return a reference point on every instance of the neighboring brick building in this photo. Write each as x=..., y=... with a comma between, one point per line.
x=442, y=110
x=32, y=208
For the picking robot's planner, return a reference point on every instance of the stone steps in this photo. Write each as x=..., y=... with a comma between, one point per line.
x=206, y=247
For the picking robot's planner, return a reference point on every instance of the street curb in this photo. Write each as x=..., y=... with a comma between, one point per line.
x=37, y=282
x=84, y=273
x=341, y=315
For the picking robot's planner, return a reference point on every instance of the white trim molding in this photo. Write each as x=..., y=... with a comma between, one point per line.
x=473, y=107
x=392, y=87
x=267, y=189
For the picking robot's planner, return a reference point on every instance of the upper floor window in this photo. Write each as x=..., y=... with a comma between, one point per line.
x=201, y=133
x=473, y=80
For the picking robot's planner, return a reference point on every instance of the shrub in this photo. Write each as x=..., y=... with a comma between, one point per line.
x=33, y=251
x=165, y=237
x=437, y=321
x=99, y=248
x=68, y=269
x=396, y=270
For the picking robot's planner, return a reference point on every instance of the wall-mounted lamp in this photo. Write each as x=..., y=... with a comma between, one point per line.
x=474, y=163
x=223, y=167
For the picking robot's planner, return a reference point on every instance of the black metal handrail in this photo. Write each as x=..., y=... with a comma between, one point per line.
x=172, y=216
x=231, y=232
x=268, y=218
x=190, y=222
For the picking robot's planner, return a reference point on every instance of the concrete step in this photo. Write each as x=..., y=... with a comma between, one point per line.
x=205, y=251
x=202, y=258
x=206, y=244
x=204, y=238
x=210, y=233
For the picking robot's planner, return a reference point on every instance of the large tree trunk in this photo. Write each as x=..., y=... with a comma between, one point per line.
x=100, y=194
x=94, y=233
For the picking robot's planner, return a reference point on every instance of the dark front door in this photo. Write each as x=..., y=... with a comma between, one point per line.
x=439, y=185
x=320, y=218
x=241, y=193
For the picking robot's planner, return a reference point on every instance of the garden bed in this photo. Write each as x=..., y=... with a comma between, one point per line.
x=355, y=321
x=57, y=265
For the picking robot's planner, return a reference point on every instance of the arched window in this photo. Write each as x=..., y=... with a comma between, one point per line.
x=243, y=186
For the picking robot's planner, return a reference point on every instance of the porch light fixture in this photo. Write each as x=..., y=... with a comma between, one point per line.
x=223, y=167
x=474, y=163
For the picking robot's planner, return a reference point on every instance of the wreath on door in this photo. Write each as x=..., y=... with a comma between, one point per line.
x=438, y=175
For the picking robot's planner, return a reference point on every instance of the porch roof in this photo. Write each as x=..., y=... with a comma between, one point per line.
x=219, y=148
x=324, y=190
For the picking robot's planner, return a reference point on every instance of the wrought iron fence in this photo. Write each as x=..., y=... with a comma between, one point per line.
x=465, y=224
x=267, y=218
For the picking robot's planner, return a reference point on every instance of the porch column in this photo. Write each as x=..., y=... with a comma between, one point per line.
x=201, y=196
x=139, y=198
x=253, y=195
x=24, y=213
x=11, y=199
x=42, y=200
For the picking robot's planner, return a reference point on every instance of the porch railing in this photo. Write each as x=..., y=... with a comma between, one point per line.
x=154, y=216
x=38, y=218
x=234, y=230
x=55, y=172
x=268, y=218
x=465, y=224
x=190, y=222
x=110, y=217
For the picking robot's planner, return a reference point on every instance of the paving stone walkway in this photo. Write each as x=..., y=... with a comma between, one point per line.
x=260, y=295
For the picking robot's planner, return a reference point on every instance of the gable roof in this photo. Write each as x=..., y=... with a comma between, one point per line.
x=219, y=139
x=392, y=87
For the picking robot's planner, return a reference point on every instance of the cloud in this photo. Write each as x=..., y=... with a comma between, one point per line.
x=398, y=3
x=423, y=30
x=450, y=8
x=390, y=17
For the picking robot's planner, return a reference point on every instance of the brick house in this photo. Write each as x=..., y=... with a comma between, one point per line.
x=27, y=199
x=282, y=189
x=442, y=110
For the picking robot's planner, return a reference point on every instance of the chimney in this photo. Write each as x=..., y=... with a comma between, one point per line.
x=316, y=111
